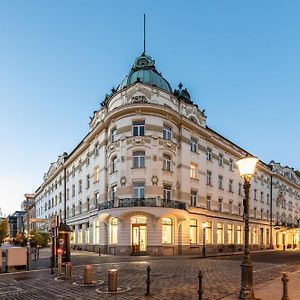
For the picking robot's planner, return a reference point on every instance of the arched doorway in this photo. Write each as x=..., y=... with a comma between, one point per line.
x=139, y=234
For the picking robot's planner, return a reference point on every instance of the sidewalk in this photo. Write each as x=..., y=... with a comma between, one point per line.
x=272, y=290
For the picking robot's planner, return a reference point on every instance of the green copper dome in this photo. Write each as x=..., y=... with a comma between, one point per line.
x=143, y=70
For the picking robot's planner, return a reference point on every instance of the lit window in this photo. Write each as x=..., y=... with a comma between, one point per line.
x=114, y=164
x=87, y=233
x=193, y=231
x=167, y=192
x=193, y=198
x=114, y=231
x=167, y=133
x=167, y=162
x=138, y=128
x=139, y=190
x=239, y=235
x=208, y=178
x=220, y=235
x=209, y=154
x=254, y=235
x=194, y=145
x=97, y=174
x=208, y=233
x=230, y=233
x=139, y=159
x=79, y=234
x=167, y=229
x=113, y=135
x=193, y=171
x=96, y=232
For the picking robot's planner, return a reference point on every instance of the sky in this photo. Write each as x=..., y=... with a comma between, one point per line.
x=238, y=59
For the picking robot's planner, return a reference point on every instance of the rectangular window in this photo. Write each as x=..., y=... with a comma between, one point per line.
x=73, y=190
x=194, y=145
x=167, y=231
x=240, y=209
x=80, y=165
x=240, y=189
x=208, y=233
x=262, y=196
x=230, y=164
x=193, y=231
x=73, y=210
x=80, y=207
x=230, y=186
x=221, y=160
x=167, y=192
x=208, y=178
x=114, y=231
x=268, y=199
x=254, y=212
x=208, y=203
x=96, y=199
x=80, y=186
x=167, y=162
x=139, y=190
x=88, y=181
x=87, y=159
x=230, y=207
x=113, y=192
x=209, y=154
x=113, y=135
x=220, y=205
x=254, y=235
x=193, y=198
x=96, y=148
x=139, y=159
x=138, y=128
x=88, y=204
x=230, y=234
x=167, y=133
x=97, y=174
x=60, y=197
x=239, y=235
x=114, y=164
x=255, y=194
x=220, y=235
x=193, y=171
x=220, y=182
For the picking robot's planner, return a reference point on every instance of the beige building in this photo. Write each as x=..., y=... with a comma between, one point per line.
x=150, y=174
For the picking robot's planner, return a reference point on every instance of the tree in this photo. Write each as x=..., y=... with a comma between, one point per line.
x=3, y=230
x=39, y=238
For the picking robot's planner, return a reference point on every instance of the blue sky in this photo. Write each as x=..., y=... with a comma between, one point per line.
x=58, y=59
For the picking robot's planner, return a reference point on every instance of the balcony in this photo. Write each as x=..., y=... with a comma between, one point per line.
x=143, y=202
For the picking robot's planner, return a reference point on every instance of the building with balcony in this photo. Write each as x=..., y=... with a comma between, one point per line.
x=150, y=173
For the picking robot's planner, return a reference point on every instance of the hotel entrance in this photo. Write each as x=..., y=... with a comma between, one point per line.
x=139, y=234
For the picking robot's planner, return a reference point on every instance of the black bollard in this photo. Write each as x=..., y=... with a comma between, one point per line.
x=148, y=281
x=200, y=291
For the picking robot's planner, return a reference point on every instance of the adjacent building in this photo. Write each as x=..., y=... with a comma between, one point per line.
x=151, y=177
x=15, y=224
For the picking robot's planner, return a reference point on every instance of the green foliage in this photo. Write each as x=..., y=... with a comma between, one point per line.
x=20, y=239
x=3, y=230
x=39, y=238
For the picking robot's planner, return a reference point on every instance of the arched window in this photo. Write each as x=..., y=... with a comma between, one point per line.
x=114, y=231
x=167, y=231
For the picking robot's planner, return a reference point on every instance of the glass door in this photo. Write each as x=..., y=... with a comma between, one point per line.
x=138, y=238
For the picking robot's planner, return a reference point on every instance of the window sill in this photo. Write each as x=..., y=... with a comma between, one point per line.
x=134, y=168
x=196, y=179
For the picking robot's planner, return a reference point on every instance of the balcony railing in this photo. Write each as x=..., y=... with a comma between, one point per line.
x=146, y=202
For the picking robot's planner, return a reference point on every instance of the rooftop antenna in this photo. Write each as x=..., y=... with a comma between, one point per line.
x=144, y=34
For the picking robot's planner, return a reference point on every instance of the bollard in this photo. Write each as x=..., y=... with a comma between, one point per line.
x=99, y=251
x=88, y=274
x=68, y=270
x=112, y=280
x=200, y=291
x=285, y=280
x=148, y=281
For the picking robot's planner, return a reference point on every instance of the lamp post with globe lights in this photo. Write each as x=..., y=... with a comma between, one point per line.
x=246, y=168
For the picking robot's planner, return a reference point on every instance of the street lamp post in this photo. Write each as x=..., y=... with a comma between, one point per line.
x=28, y=235
x=246, y=168
x=204, y=239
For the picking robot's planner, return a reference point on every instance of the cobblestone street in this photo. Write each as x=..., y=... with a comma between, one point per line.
x=171, y=278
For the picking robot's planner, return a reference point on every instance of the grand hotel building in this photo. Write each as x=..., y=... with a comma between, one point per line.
x=150, y=173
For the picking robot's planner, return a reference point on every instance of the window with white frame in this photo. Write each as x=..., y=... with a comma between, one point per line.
x=73, y=190
x=194, y=144
x=167, y=192
x=220, y=182
x=139, y=190
x=208, y=233
x=230, y=186
x=73, y=210
x=79, y=237
x=193, y=171
x=208, y=178
x=113, y=135
x=87, y=233
x=88, y=204
x=96, y=199
x=114, y=231
x=230, y=164
x=230, y=233
x=138, y=128
x=193, y=231
x=220, y=233
x=208, y=202
x=220, y=205
x=114, y=164
x=239, y=235
x=167, y=162
x=88, y=181
x=167, y=231
x=113, y=192
x=139, y=159
x=221, y=160
x=96, y=146
x=167, y=133
x=209, y=154
x=80, y=186
x=193, y=198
